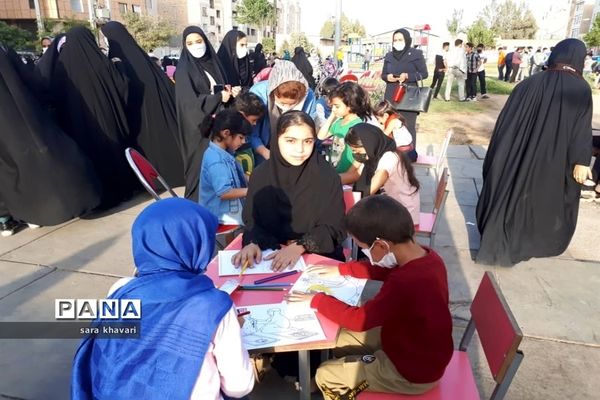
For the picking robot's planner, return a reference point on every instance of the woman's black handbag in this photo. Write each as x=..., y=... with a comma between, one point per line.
x=415, y=99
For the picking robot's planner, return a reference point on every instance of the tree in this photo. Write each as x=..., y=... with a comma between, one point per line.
x=256, y=12
x=284, y=46
x=348, y=27
x=149, y=32
x=592, y=38
x=511, y=21
x=454, y=24
x=479, y=32
x=300, y=40
x=15, y=37
x=268, y=45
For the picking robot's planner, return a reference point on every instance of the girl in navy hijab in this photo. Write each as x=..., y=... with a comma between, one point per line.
x=190, y=343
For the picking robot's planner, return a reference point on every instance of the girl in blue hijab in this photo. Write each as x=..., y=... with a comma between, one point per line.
x=184, y=318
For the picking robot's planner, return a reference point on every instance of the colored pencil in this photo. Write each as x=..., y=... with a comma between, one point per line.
x=262, y=288
x=243, y=313
x=272, y=285
x=273, y=277
x=244, y=268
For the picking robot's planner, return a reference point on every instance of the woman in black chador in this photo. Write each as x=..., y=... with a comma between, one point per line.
x=151, y=104
x=44, y=177
x=200, y=91
x=91, y=102
x=538, y=157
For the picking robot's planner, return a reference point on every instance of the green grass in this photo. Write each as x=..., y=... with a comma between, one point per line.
x=455, y=106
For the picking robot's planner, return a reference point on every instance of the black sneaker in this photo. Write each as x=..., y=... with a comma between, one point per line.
x=9, y=227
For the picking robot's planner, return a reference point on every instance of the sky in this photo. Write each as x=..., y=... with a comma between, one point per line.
x=379, y=16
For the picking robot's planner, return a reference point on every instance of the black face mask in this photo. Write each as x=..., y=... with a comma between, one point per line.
x=479, y=51
x=360, y=157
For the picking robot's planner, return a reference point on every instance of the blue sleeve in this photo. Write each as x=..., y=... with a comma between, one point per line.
x=310, y=104
x=258, y=132
x=219, y=177
x=385, y=70
x=422, y=67
x=255, y=136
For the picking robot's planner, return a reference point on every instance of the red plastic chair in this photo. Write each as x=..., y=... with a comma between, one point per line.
x=500, y=338
x=428, y=222
x=350, y=199
x=147, y=174
x=150, y=179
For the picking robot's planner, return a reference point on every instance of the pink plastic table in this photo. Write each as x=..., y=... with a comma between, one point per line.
x=251, y=297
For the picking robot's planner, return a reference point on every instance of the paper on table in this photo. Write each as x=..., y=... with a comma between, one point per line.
x=229, y=286
x=282, y=324
x=344, y=288
x=226, y=267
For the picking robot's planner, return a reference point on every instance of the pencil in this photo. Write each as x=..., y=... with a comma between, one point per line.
x=242, y=313
x=273, y=277
x=244, y=268
x=268, y=288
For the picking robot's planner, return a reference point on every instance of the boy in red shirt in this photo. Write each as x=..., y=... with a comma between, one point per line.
x=401, y=340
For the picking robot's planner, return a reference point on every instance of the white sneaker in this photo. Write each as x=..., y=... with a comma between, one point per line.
x=33, y=226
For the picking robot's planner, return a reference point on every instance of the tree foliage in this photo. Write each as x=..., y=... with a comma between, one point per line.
x=15, y=37
x=511, y=21
x=454, y=24
x=256, y=12
x=148, y=31
x=268, y=45
x=348, y=27
x=479, y=32
x=592, y=38
x=300, y=40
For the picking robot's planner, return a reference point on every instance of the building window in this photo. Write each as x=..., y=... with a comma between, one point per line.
x=122, y=8
x=218, y=28
x=136, y=8
x=577, y=20
x=204, y=27
x=218, y=13
x=31, y=4
x=252, y=32
x=76, y=6
x=204, y=12
x=212, y=20
x=211, y=3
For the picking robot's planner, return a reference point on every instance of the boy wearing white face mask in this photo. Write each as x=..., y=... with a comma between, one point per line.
x=401, y=340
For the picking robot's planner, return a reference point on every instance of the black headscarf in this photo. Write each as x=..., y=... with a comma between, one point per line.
x=376, y=143
x=286, y=202
x=44, y=177
x=152, y=115
x=302, y=63
x=529, y=202
x=166, y=61
x=260, y=62
x=237, y=71
x=44, y=69
x=91, y=97
x=195, y=101
x=568, y=52
x=407, y=46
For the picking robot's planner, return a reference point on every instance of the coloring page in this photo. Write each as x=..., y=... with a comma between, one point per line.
x=270, y=325
x=344, y=288
x=226, y=267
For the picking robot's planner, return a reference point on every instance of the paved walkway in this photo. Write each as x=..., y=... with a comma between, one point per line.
x=554, y=300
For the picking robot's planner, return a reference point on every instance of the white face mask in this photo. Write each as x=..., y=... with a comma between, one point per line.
x=284, y=107
x=44, y=49
x=399, y=46
x=197, y=50
x=241, y=51
x=387, y=261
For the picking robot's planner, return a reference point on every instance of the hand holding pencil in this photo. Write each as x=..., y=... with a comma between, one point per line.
x=250, y=254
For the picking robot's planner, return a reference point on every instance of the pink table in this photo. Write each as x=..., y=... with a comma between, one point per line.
x=250, y=297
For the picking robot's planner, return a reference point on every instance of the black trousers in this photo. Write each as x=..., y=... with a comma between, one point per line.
x=507, y=73
x=438, y=78
x=482, y=87
x=501, y=72
x=471, y=84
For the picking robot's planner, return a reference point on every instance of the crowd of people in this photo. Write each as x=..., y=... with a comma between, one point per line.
x=68, y=121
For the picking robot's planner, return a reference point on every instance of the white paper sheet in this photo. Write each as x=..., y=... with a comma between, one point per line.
x=226, y=267
x=282, y=324
x=344, y=288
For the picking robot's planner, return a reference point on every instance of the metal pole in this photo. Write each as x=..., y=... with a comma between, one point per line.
x=338, y=28
x=91, y=12
x=38, y=16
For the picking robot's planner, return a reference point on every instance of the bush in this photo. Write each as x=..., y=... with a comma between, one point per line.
x=15, y=37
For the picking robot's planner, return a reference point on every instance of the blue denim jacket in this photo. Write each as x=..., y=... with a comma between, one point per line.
x=220, y=173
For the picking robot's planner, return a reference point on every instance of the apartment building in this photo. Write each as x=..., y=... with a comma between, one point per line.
x=580, y=18
x=22, y=12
